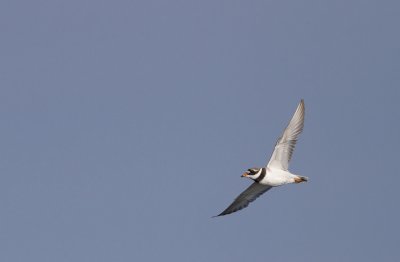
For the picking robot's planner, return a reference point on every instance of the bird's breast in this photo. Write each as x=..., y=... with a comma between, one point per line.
x=276, y=178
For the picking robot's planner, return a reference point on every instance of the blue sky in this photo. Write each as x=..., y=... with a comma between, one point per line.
x=126, y=125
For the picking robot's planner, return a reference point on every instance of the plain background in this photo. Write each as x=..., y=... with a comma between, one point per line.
x=125, y=126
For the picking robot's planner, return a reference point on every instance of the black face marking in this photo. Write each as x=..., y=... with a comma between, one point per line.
x=253, y=171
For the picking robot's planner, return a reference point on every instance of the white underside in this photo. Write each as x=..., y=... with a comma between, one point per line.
x=277, y=177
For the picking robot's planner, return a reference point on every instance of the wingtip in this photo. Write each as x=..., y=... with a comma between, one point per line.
x=222, y=214
x=301, y=105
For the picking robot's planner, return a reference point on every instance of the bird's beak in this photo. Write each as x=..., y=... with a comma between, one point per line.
x=244, y=175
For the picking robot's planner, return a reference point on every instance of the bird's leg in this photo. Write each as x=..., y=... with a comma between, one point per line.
x=300, y=179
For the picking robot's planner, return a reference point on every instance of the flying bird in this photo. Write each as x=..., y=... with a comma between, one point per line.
x=276, y=172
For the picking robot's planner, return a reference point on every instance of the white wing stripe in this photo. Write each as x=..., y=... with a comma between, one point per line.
x=286, y=143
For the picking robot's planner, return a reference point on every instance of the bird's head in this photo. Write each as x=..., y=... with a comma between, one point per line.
x=252, y=173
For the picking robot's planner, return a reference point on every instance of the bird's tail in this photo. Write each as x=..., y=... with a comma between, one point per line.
x=300, y=179
x=304, y=178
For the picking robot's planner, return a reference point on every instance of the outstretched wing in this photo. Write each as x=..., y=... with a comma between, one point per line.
x=285, y=145
x=249, y=195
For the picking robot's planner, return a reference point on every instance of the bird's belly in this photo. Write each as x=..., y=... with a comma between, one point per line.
x=276, y=178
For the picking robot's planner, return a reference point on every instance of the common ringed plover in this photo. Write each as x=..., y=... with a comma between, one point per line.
x=276, y=172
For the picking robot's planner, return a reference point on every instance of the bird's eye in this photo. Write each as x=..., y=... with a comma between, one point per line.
x=253, y=171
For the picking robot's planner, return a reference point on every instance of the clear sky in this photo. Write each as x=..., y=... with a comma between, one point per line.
x=125, y=125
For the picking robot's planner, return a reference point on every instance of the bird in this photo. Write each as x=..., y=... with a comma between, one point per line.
x=276, y=172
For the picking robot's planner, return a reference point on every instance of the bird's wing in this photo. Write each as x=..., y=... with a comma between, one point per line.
x=243, y=200
x=285, y=145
